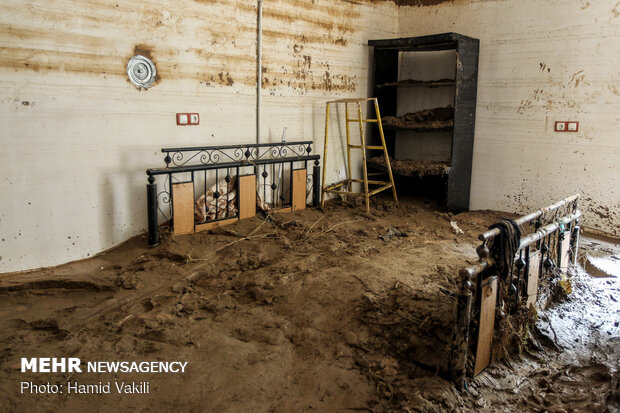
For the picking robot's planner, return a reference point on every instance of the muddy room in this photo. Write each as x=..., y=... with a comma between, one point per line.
x=310, y=206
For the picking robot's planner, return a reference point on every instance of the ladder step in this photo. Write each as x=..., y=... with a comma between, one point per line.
x=334, y=191
x=379, y=148
x=361, y=181
x=336, y=185
x=370, y=193
x=363, y=120
x=383, y=188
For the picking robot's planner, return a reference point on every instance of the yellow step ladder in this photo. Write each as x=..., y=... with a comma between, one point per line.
x=337, y=187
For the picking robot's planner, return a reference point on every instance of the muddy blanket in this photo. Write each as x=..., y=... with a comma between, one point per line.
x=207, y=205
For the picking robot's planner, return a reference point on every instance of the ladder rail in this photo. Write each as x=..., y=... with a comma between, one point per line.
x=364, y=166
x=385, y=152
x=363, y=120
x=349, y=175
x=325, y=154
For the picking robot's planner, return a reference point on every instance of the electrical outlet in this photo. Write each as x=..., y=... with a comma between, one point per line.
x=194, y=119
x=560, y=126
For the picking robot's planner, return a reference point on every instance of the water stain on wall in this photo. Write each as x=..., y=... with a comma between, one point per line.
x=543, y=67
x=608, y=221
x=100, y=42
x=313, y=60
x=429, y=3
x=300, y=71
x=144, y=50
x=421, y=3
x=225, y=79
x=577, y=78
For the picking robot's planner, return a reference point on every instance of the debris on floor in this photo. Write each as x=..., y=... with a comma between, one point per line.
x=391, y=233
x=455, y=228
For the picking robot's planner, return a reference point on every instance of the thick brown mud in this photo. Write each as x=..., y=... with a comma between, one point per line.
x=329, y=311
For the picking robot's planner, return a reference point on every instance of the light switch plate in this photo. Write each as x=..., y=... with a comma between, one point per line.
x=182, y=119
x=566, y=126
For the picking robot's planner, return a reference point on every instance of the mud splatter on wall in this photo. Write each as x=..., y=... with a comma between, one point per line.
x=74, y=154
x=188, y=41
x=540, y=62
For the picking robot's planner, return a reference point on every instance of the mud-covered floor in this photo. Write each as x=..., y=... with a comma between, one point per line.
x=325, y=311
x=573, y=363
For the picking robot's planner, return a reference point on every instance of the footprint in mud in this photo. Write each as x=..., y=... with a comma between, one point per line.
x=18, y=324
x=47, y=328
x=579, y=388
x=47, y=324
x=596, y=372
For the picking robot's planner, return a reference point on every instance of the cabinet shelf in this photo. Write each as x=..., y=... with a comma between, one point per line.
x=421, y=129
x=451, y=59
x=419, y=83
x=426, y=120
x=408, y=167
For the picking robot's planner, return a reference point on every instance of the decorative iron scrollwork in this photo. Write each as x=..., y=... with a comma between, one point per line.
x=235, y=153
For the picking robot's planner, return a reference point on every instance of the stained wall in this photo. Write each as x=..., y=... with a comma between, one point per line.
x=540, y=62
x=77, y=137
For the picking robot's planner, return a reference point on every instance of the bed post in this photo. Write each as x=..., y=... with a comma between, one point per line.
x=460, y=333
x=316, y=184
x=151, y=198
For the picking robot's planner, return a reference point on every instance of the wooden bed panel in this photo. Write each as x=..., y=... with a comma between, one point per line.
x=565, y=252
x=183, y=203
x=215, y=224
x=487, y=324
x=532, y=278
x=247, y=196
x=299, y=190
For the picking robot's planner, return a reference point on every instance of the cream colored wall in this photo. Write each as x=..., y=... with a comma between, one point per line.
x=541, y=61
x=77, y=137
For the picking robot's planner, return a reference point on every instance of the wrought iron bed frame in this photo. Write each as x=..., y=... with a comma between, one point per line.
x=224, y=160
x=546, y=230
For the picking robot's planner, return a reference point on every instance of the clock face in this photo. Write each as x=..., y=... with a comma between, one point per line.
x=141, y=71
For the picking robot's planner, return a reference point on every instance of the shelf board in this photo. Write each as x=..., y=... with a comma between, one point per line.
x=419, y=128
x=411, y=168
x=419, y=83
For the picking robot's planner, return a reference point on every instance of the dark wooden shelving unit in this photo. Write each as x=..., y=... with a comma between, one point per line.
x=389, y=57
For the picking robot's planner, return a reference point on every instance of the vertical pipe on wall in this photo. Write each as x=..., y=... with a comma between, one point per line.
x=259, y=66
